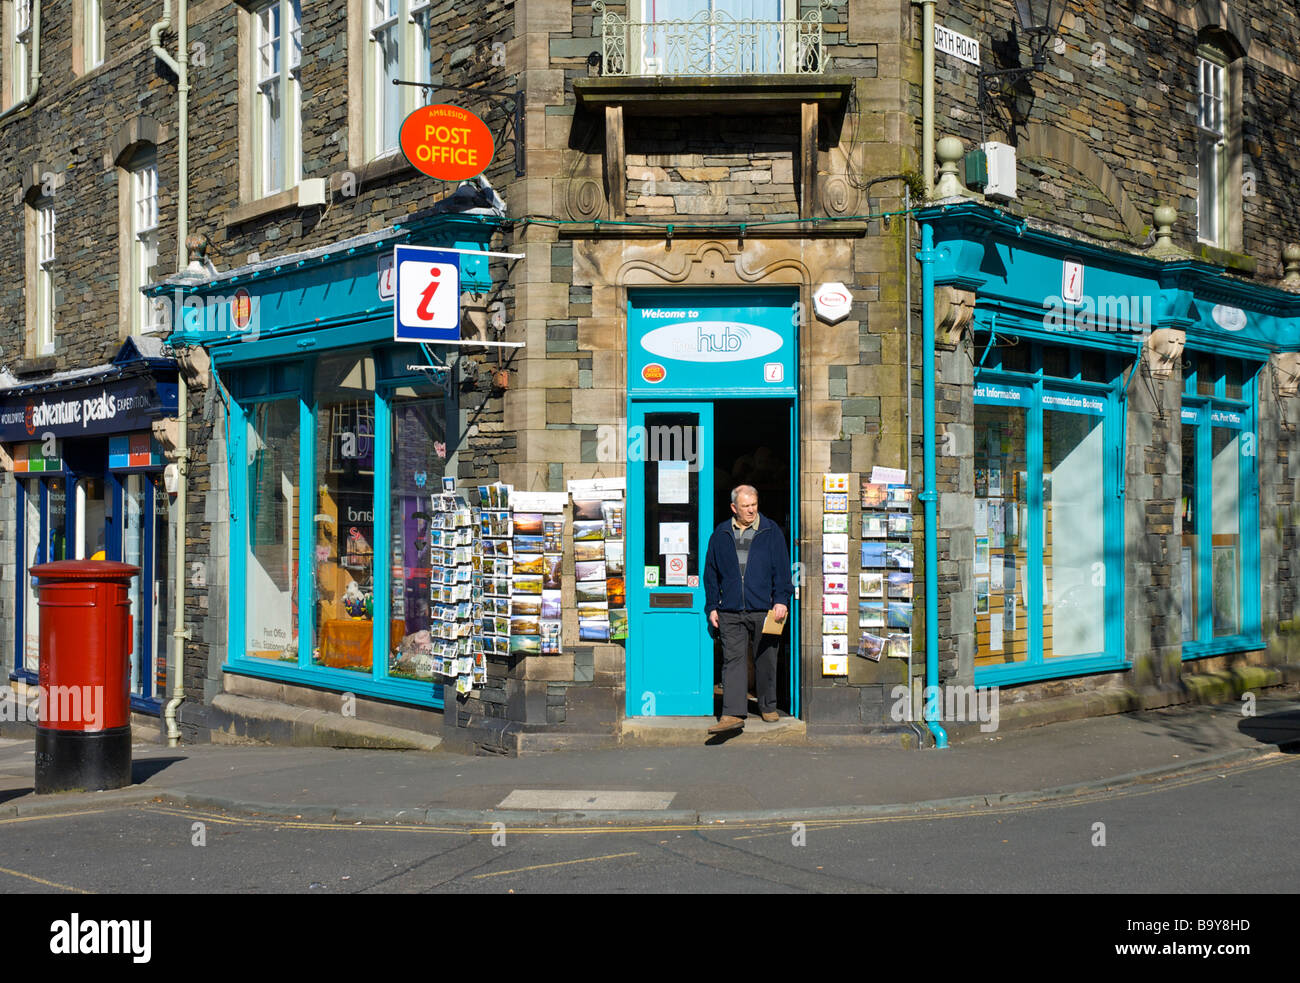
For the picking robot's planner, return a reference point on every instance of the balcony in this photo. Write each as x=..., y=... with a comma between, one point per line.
x=710, y=44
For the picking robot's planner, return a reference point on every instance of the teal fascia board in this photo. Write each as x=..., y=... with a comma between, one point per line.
x=321, y=288
x=1016, y=271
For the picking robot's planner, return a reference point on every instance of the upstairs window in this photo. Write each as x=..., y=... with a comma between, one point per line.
x=277, y=130
x=397, y=47
x=144, y=238
x=20, y=60
x=1212, y=146
x=92, y=34
x=43, y=225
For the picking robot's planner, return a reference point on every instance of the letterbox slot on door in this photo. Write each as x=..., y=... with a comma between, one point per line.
x=672, y=600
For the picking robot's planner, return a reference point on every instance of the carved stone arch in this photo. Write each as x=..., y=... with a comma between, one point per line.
x=1052, y=143
x=32, y=182
x=1222, y=17
x=713, y=263
x=130, y=137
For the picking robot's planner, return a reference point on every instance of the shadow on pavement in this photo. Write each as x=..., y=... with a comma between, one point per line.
x=15, y=793
x=143, y=770
x=1281, y=729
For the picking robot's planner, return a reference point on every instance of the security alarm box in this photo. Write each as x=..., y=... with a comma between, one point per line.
x=1001, y=159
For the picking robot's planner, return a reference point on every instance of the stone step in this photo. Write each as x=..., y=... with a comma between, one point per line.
x=246, y=719
x=692, y=731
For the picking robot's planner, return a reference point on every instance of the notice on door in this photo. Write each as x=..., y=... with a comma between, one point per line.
x=675, y=570
x=674, y=537
x=674, y=483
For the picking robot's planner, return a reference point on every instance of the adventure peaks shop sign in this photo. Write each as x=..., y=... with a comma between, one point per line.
x=689, y=342
x=114, y=407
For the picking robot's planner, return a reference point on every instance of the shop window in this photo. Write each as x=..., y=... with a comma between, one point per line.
x=271, y=563
x=1219, y=562
x=145, y=543
x=1047, y=570
x=276, y=118
x=344, y=517
x=419, y=451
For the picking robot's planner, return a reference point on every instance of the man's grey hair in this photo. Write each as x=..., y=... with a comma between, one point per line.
x=735, y=492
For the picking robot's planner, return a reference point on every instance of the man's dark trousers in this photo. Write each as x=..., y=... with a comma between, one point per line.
x=741, y=632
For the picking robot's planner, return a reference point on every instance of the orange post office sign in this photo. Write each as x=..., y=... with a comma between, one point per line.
x=447, y=142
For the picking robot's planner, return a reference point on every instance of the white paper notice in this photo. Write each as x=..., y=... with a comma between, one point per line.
x=888, y=476
x=981, y=517
x=674, y=483
x=995, y=574
x=675, y=570
x=674, y=537
x=995, y=633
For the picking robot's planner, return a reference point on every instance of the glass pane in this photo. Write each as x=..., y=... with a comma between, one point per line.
x=1207, y=205
x=35, y=544
x=95, y=514
x=57, y=529
x=133, y=508
x=1191, y=555
x=390, y=95
x=273, y=134
x=1074, y=571
x=271, y=598
x=1001, y=536
x=1232, y=378
x=1205, y=374
x=419, y=461
x=1056, y=362
x=343, y=582
x=1225, y=530
x=672, y=485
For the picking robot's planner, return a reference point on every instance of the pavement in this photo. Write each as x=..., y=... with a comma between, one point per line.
x=694, y=785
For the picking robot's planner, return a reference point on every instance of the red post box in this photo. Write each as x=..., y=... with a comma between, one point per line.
x=83, y=740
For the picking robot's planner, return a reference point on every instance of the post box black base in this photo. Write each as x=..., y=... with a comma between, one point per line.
x=82, y=761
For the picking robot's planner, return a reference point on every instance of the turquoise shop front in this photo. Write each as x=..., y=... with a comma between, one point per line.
x=336, y=438
x=1063, y=334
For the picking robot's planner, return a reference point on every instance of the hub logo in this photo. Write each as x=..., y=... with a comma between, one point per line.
x=711, y=341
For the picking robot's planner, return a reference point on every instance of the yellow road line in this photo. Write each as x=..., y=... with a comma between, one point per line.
x=562, y=863
x=52, y=815
x=41, y=880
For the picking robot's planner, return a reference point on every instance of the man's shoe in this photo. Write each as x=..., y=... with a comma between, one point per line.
x=772, y=717
x=728, y=724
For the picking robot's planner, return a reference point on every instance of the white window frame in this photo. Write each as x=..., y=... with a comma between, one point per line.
x=274, y=77
x=410, y=20
x=20, y=60
x=143, y=176
x=46, y=222
x=1212, y=107
x=92, y=23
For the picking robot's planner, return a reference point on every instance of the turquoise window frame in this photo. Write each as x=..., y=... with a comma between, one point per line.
x=1251, y=636
x=1037, y=382
x=391, y=374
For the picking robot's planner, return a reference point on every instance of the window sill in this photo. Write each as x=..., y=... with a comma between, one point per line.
x=278, y=202
x=1227, y=645
x=373, y=172
x=36, y=364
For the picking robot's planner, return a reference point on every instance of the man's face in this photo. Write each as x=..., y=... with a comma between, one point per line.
x=745, y=508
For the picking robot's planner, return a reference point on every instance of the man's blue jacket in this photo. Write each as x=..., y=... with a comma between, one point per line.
x=767, y=572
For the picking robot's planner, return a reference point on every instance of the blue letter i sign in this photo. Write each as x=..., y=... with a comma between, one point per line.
x=427, y=305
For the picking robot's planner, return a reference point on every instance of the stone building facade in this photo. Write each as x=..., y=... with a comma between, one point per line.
x=625, y=181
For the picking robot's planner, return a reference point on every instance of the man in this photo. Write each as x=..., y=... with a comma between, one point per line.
x=746, y=574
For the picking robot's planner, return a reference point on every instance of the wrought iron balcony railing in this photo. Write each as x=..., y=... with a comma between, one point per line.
x=711, y=43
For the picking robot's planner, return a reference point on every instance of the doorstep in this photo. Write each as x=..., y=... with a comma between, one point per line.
x=693, y=731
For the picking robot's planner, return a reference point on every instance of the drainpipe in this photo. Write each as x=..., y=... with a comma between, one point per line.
x=175, y=681
x=927, y=95
x=180, y=66
x=930, y=496
x=36, y=63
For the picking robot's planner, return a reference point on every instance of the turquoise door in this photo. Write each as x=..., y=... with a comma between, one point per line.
x=669, y=521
